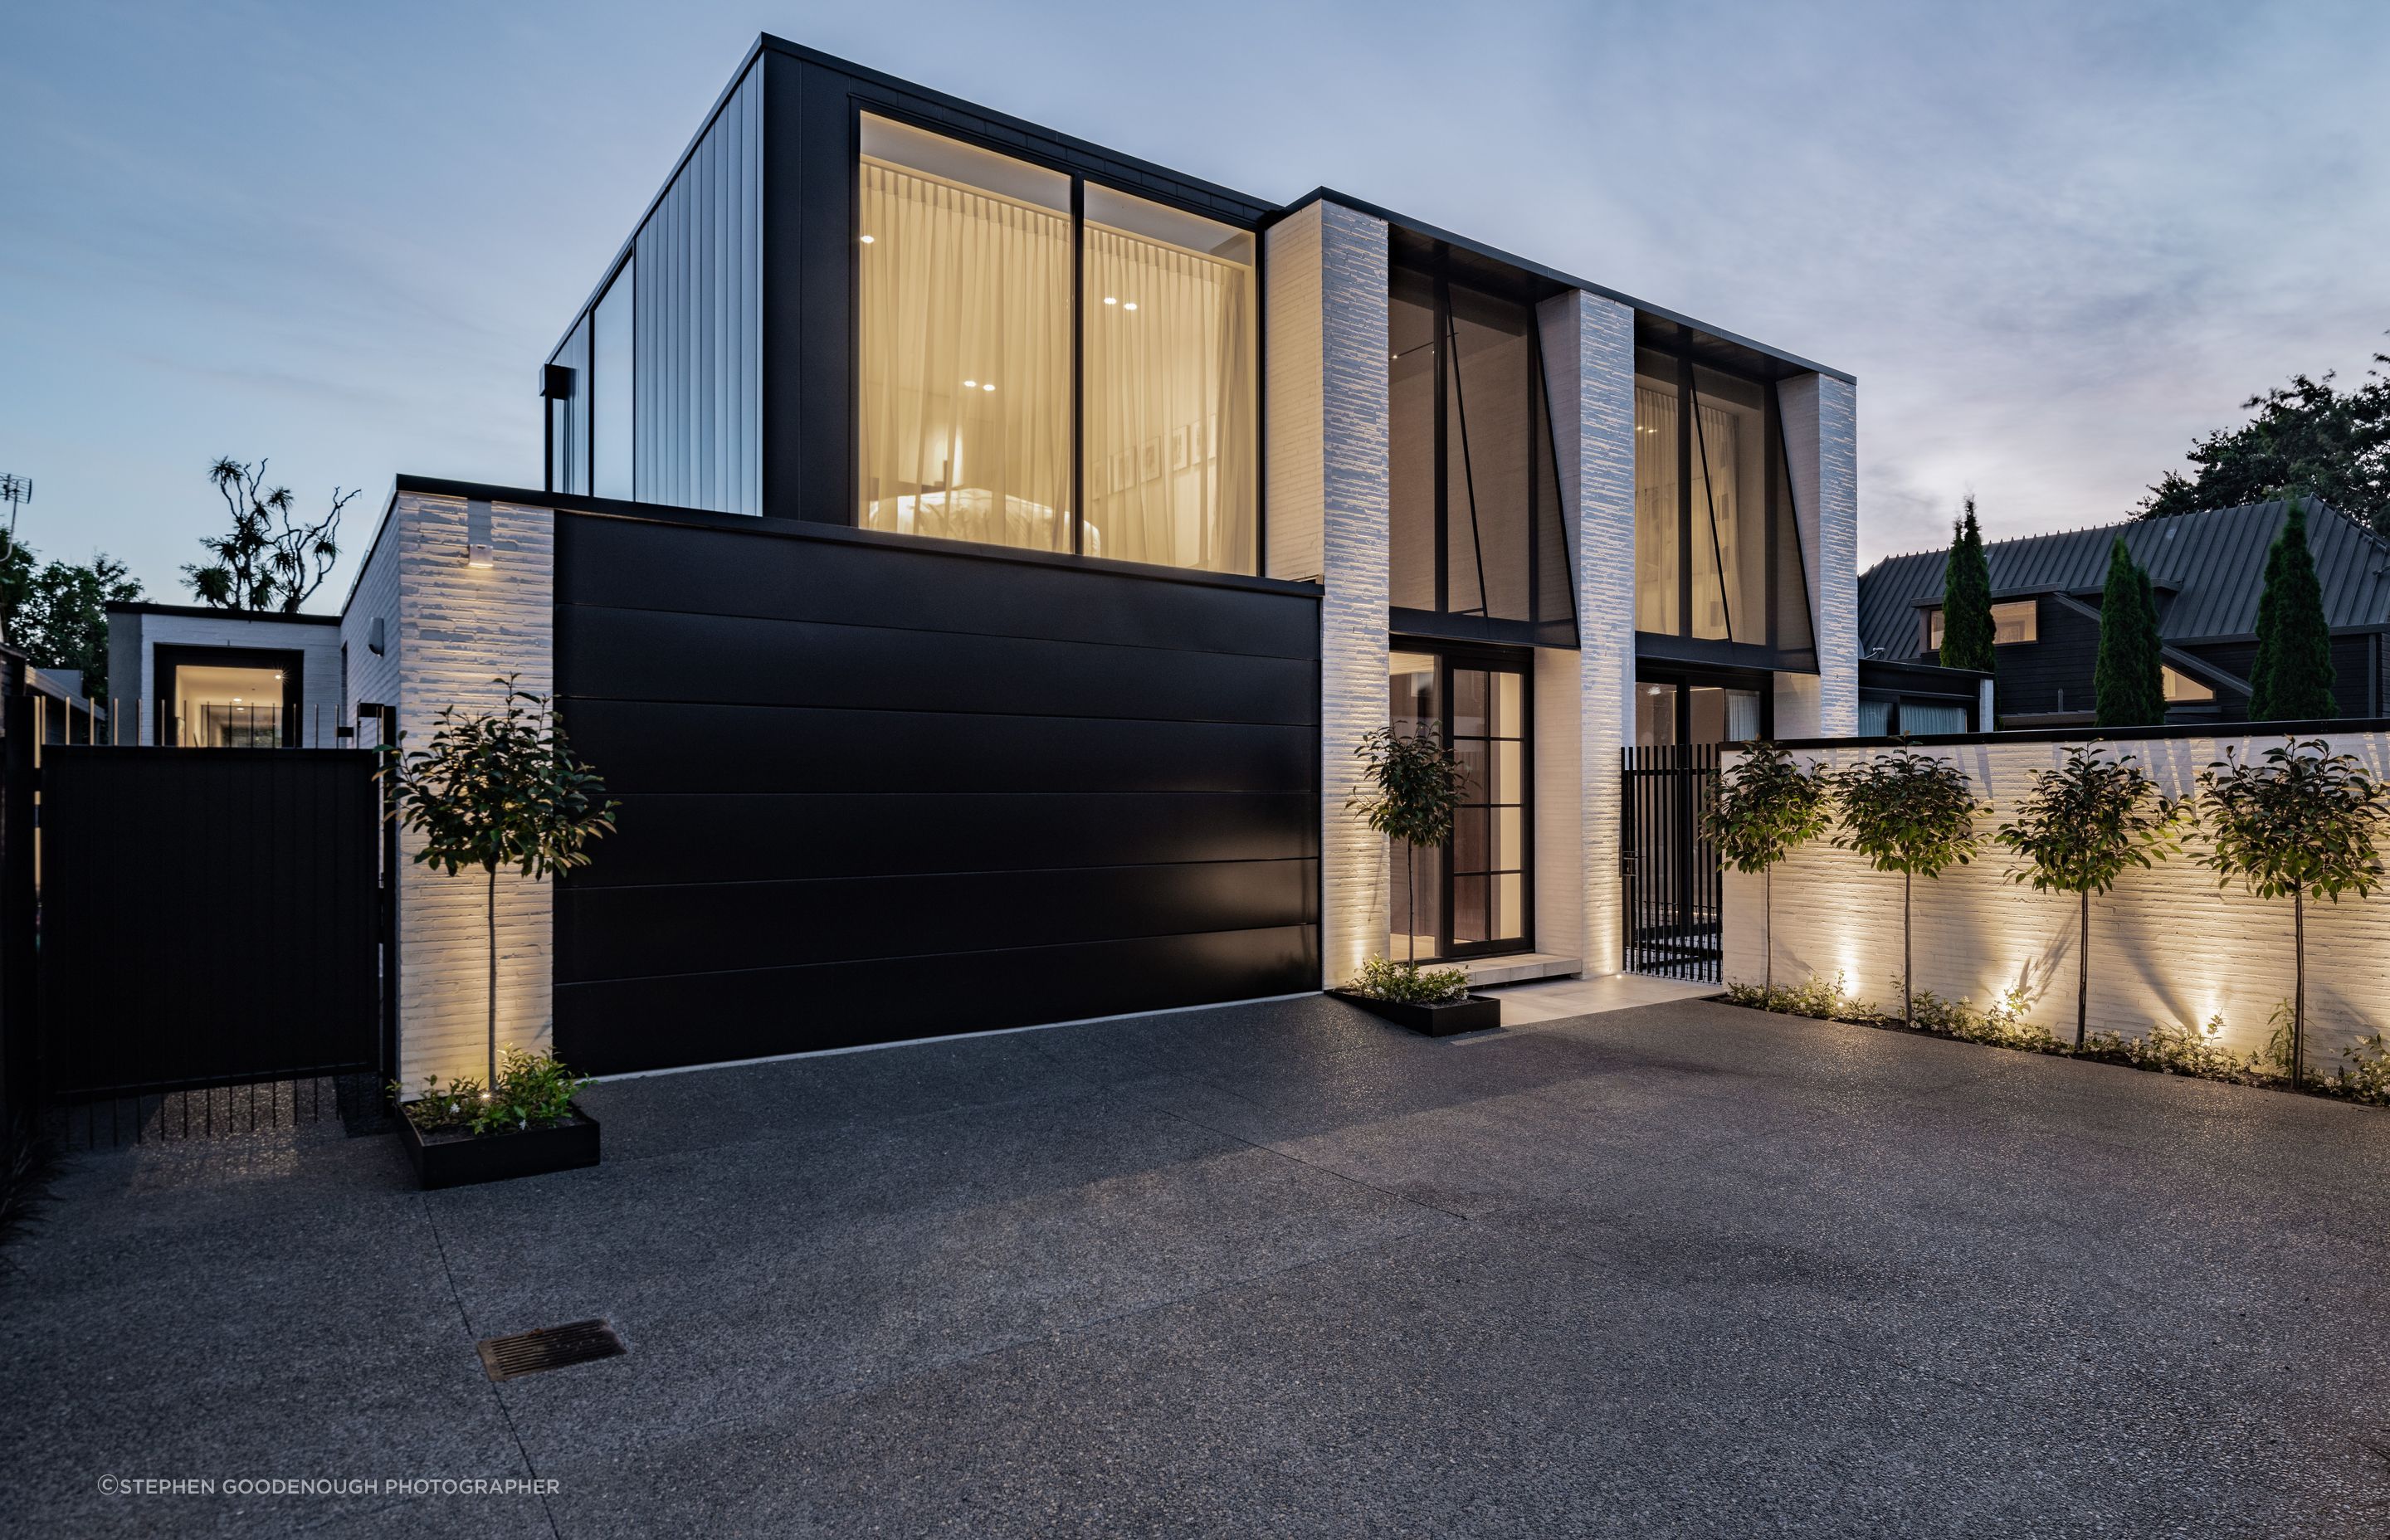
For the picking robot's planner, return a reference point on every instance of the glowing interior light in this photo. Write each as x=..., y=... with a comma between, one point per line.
x=1111, y=300
x=987, y=387
x=867, y=240
x=970, y=384
x=1131, y=305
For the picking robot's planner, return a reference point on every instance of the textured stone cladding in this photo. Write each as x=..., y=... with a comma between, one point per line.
x=2166, y=944
x=457, y=630
x=1821, y=447
x=1589, y=343
x=1330, y=519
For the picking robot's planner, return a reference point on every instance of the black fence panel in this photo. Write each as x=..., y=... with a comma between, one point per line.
x=1673, y=874
x=212, y=936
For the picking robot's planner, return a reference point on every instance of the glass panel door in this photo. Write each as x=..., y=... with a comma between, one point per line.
x=1488, y=856
x=1469, y=897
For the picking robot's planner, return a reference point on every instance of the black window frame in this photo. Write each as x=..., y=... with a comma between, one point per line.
x=1449, y=654
x=1681, y=645
x=1537, y=629
x=860, y=103
x=167, y=660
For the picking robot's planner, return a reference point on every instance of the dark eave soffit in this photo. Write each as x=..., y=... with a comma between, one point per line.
x=1654, y=324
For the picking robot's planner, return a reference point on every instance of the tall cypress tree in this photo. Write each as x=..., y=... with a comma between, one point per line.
x=1967, y=596
x=2123, y=677
x=2292, y=677
x=2153, y=657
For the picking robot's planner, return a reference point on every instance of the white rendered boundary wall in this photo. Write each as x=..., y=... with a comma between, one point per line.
x=2167, y=945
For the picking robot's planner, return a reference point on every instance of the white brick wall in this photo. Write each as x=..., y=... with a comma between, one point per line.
x=2167, y=945
x=1590, y=352
x=1821, y=445
x=1330, y=517
x=457, y=629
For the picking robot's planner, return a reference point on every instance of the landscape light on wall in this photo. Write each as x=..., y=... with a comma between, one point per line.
x=866, y=239
x=1111, y=300
x=478, y=552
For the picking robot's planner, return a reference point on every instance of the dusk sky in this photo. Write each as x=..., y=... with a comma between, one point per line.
x=2054, y=242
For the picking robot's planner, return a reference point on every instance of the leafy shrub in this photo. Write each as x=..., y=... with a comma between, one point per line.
x=1818, y=999
x=532, y=1090
x=1408, y=983
x=2176, y=1050
x=2366, y=1076
x=2183, y=1050
x=2002, y=1025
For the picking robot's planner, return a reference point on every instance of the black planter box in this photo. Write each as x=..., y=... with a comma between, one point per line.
x=1473, y=1013
x=453, y=1158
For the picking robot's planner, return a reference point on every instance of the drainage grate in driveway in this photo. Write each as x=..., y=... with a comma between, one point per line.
x=550, y=1347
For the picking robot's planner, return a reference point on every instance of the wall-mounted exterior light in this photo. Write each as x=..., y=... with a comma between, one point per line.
x=478, y=545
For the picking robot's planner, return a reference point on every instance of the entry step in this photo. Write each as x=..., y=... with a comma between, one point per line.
x=1519, y=968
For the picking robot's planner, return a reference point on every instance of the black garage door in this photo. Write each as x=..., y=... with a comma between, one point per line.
x=876, y=789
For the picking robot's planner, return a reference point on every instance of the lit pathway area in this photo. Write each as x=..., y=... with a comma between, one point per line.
x=1279, y=1269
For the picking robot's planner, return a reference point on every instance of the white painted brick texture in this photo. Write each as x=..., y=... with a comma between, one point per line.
x=2167, y=945
x=1821, y=446
x=457, y=629
x=1590, y=344
x=1330, y=518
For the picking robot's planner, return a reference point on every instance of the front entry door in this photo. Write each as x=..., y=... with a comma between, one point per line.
x=1471, y=896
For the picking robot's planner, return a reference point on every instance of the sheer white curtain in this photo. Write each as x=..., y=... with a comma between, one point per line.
x=965, y=346
x=1170, y=465
x=1655, y=510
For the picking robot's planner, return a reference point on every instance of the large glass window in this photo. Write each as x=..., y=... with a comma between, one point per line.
x=1476, y=506
x=968, y=351
x=1717, y=549
x=1657, y=493
x=1468, y=896
x=612, y=390
x=568, y=416
x=2013, y=621
x=1168, y=323
x=1729, y=510
x=965, y=342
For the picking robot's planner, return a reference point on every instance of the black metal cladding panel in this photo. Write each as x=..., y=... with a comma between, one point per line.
x=634, y=564
x=902, y=791
x=208, y=915
x=628, y=932
x=706, y=1018
x=2215, y=560
x=699, y=321
x=657, y=656
x=666, y=836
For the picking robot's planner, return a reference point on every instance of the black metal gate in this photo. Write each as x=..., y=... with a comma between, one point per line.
x=212, y=927
x=1672, y=873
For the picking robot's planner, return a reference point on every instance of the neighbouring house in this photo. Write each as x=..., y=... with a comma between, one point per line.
x=972, y=557
x=2207, y=570
x=191, y=677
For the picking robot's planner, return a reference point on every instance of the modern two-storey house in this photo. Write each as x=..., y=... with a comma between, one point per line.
x=972, y=557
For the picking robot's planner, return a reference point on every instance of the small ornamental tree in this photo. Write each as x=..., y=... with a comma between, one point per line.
x=1911, y=813
x=1766, y=806
x=2303, y=822
x=1408, y=792
x=500, y=789
x=2080, y=827
x=1967, y=596
x=2127, y=688
x=2291, y=678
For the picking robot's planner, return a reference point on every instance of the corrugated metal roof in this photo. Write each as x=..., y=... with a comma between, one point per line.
x=2213, y=561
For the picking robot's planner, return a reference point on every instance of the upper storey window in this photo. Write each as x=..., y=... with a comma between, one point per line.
x=971, y=427
x=1717, y=550
x=965, y=327
x=1477, y=520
